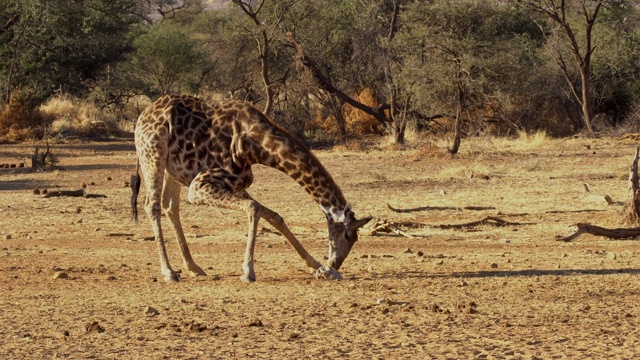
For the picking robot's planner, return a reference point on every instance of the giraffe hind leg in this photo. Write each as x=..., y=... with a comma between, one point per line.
x=209, y=189
x=171, y=207
x=154, y=180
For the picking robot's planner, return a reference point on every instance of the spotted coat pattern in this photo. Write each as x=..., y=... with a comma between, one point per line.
x=210, y=148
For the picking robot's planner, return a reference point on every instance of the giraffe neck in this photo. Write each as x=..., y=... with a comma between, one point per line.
x=275, y=148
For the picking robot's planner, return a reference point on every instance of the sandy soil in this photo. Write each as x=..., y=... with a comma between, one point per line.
x=485, y=292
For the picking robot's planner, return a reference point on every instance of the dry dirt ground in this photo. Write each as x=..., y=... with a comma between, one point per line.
x=486, y=292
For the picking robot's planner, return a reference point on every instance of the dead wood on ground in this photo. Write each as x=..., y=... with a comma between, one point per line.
x=573, y=211
x=585, y=228
x=384, y=226
x=72, y=193
x=489, y=220
x=429, y=208
x=617, y=233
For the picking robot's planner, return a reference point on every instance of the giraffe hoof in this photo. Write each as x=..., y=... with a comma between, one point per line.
x=172, y=277
x=248, y=278
x=197, y=271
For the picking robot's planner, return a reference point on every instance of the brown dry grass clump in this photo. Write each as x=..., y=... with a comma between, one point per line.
x=70, y=116
x=18, y=122
x=357, y=121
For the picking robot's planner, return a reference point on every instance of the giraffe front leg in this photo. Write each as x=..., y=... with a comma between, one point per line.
x=277, y=222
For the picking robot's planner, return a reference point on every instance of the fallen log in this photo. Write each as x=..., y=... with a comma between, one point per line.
x=119, y=234
x=586, y=228
x=73, y=193
x=489, y=220
x=573, y=211
x=429, y=208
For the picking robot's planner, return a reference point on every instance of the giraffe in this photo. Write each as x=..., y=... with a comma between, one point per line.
x=209, y=147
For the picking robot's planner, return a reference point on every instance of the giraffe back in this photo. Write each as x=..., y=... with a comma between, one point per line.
x=188, y=135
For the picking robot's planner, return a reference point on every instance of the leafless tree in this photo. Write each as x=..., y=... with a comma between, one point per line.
x=581, y=50
x=264, y=38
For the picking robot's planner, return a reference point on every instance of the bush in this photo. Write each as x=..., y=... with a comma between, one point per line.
x=18, y=122
x=357, y=121
x=69, y=116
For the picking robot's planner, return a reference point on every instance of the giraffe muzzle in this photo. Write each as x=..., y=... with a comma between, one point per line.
x=335, y=262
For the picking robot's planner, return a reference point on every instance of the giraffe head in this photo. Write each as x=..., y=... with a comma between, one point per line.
x=343, y=233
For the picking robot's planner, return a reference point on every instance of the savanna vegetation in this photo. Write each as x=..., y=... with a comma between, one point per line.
x=330, y=69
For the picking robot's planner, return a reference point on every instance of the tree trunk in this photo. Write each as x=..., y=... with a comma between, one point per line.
x=399, y=121
x=264, y=62
x=634, y=186
x=336, y=109
x=458, y=126
x=557, y=12
x=264, y=40
x=587, y=101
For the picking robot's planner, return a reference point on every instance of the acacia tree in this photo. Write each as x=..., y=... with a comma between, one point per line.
x=166, y=58
x=458, y=56
x=344, y=47
x=65, y=45
x=560, y=14
x=616, y=64
x=266, y=22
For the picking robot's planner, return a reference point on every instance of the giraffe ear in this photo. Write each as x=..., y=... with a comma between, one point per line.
x=352, y=223
x=360, y=223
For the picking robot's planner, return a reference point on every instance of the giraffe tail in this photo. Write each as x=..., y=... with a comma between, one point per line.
x=135, y=189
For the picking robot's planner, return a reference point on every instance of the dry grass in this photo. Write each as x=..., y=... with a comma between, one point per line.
x=357, y=121
x=18, y=122
x=77, y=117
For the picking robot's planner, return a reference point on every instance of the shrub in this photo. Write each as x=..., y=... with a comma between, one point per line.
x=70, y=116
x=357, y=121
x=18, y=122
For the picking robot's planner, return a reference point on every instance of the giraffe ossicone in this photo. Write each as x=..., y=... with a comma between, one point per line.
x=210, y=147
x=337, y=214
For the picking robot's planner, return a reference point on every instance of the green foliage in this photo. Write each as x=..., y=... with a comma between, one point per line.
x=486, y=51
x=616, y=64
x=489, y=57
x=62, y=45
x=166, y=58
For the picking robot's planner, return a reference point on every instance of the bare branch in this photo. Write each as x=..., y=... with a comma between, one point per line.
x=304, y=61
x=9, y=23
x=394, y=19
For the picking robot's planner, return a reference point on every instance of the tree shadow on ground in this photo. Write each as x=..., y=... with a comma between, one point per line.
x=89, y=167
x=12, y=185
x=99, y=147
x=511, y=273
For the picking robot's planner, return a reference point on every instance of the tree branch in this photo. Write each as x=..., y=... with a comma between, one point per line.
x=302, y=60
x=9, y=23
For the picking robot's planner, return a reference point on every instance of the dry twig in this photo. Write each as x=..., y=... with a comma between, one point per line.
x=489, y=220
x=429, y=208
x=374, y=227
